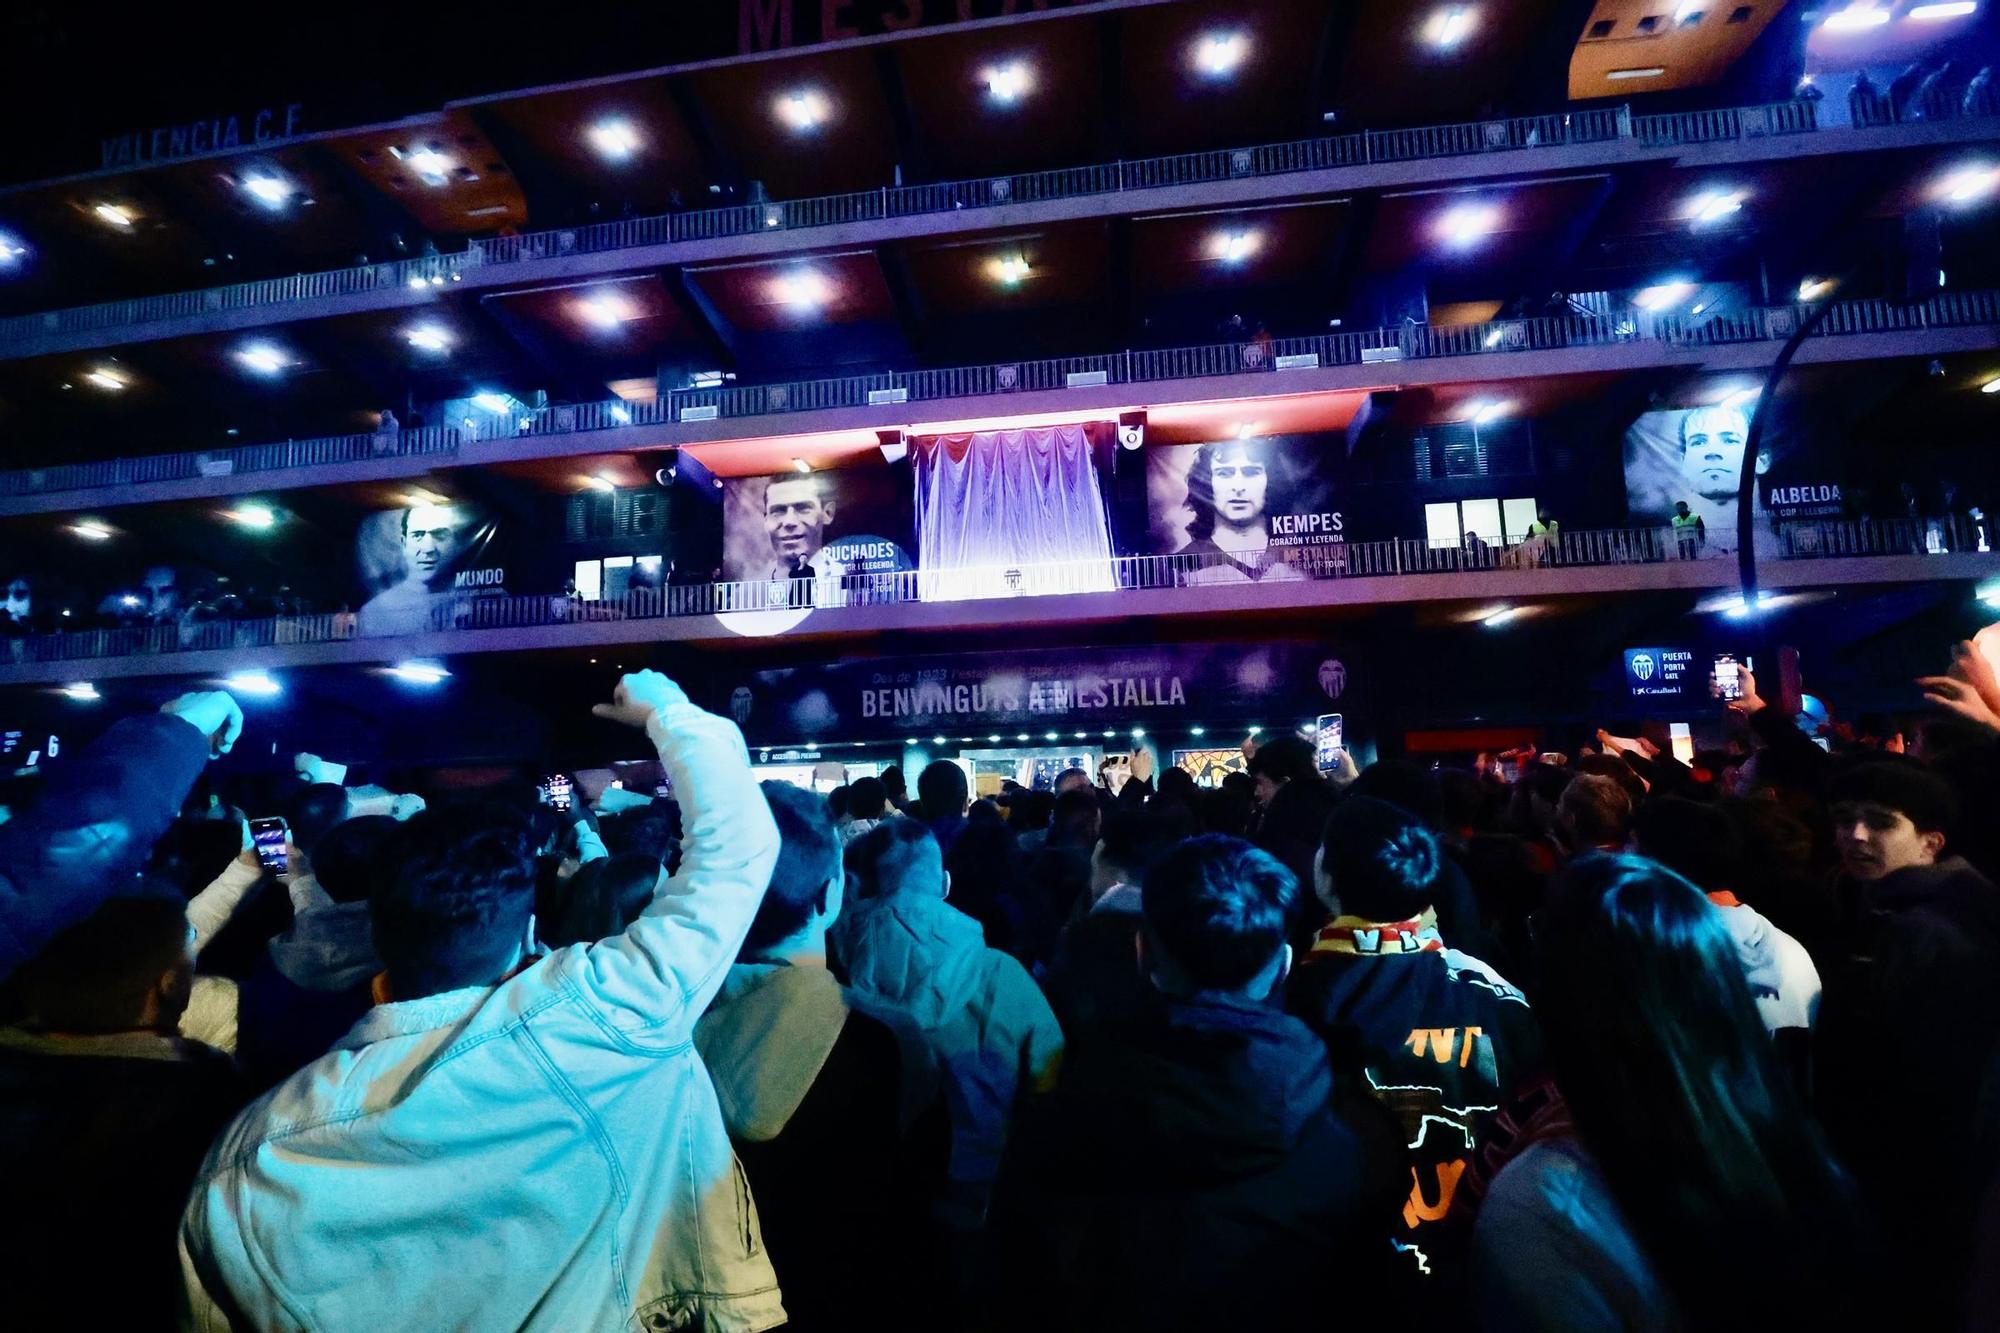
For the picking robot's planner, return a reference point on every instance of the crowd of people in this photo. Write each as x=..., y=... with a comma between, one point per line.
x=1603, y=1040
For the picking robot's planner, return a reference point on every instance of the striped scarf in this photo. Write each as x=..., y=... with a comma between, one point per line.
x=1357, y=935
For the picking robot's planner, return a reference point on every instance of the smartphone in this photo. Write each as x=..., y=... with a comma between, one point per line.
x=558, y=793
x=1726, y=677
x=1330, y=740
x=269, y=837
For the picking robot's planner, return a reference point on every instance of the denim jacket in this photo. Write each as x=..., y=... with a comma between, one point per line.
x=542, y=1154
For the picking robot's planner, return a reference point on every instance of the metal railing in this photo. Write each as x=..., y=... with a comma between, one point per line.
x=1475, y=138
x=1810, y=539
x=1411, y=342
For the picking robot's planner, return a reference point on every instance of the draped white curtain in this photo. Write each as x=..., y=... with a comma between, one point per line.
x=1010, y=512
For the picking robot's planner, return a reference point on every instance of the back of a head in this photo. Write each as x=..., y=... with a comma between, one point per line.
x=454, y=907
x=1655, y=1039
x=1072, y=779
x=602, y=898
x=348, y=861
x=1404, y=784
x=313, y=812
x=942, y=790
x=1380, y=862
x=1286, y=759
x=1216, y=908
x=1597, y=810
x=1134, y=842
x=1696, y=841
x=1907, y=786
x=897, y=856
x=1613, y=767
x=893, y=782
x=867, y=798
x=808, y=861
x=96, y=976
x=1177, y=784
x=1076, y=818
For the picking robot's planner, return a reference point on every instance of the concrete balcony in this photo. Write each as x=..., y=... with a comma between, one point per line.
x=1813, y=554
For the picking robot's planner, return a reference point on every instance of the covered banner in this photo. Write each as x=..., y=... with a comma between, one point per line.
x=420, y=568
x=1251, y=509
x=1277, y=684
x=810, y=533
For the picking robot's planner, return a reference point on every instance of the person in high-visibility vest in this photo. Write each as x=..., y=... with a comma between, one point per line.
x=1544, y=533
x=1689, y=531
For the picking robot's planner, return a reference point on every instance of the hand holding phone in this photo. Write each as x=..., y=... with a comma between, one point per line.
x=558, y=793
x=270, y=837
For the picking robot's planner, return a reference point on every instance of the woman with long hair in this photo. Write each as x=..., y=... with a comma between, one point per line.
x=1692, y=1192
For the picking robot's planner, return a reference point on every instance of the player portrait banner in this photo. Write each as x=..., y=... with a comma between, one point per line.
x=824, y=529
x=1041, y=690
x=1246, y=510
x=420, y=568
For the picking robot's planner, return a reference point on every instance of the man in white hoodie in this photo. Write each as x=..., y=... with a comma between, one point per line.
x=507, y=1140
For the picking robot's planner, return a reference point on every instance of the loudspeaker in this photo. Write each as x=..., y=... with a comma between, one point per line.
x=1131, y=430
x=662, y=464
x=894, y=444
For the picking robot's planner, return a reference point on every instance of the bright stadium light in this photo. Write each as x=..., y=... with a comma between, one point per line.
x=256, y=517
x=1449, y=26
x=614, y=138
x=1713, y=205
x=1219, y=54
x=12, y=250
x=1855, y=18
x=1662, y=295
x=115, y=214
x=1466, y=225
x=805, y=110
x=606, y=310
x=1952, y=9
x=428, y=338
x=105, y=378
x=257, y=683
x=1968, y=184
x=83, y=692
x=420, y=673
x=262, y=357
x=1007, y=84
x=270, y=191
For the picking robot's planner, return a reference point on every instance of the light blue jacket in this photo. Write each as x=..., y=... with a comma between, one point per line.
x=542, y=1154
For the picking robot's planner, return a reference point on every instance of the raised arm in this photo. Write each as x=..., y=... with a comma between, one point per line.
x=658, y=977
x=98, y=819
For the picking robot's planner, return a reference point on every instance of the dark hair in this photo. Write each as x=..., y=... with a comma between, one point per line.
x=1405, y=784
x=1901, y=784
x=1657, y=1045
x=986, y=810
x=1286, y=759
x=893, y=783
x=1070, y=775
x=1382, y=862
x=601, y=899
x=1076, y=818
x=1613, y=767
x=1217, y=909
x=1597, y=808
x=194, y=851
x=808, y=860
x=895, y=855
x=348, y=860
x=941, y=789
x=867, y=798
x=1201, y=480
x=836, y=802
x=1176, y=784
x=312, y=813
x=1135, y=842
x=1697, y=841
x=456, y=903
x=95, y=976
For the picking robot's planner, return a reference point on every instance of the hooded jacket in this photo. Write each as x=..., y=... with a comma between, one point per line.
x=808, y=1088
x=545, y=1153
x=312, y=986
x=1443, y=1041
x=973, y=1026
x=1191, y=1172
